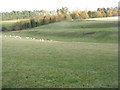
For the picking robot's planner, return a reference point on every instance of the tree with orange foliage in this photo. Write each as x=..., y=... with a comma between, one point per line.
x=84, y=15
x=75, y=15
x=108, y=13
x=96, y=14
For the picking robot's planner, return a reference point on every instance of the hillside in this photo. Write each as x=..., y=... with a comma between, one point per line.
x=78, y=54
x=78, y=31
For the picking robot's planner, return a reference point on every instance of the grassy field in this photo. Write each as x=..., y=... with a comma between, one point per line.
x=85, y=31
x=85, y=55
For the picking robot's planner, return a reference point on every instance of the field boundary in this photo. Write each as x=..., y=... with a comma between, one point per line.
x=105, y=19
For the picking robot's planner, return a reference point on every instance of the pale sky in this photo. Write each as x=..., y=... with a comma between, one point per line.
x=19, y=5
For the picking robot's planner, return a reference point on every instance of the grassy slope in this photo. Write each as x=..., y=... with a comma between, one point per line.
x=104, y=31
x=30, y=63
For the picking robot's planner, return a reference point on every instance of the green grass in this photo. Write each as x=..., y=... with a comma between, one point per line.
x=77, y=60
x=103, y=31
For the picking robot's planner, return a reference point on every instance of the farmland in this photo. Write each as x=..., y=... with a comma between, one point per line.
x=82, y=54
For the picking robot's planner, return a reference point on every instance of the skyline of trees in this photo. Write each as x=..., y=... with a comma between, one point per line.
x=101, y=12
x=31, y=19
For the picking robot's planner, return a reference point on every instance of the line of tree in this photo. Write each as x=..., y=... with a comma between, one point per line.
x=29, y=19
x=34, y=22
x=40, y=13
x=32, y=14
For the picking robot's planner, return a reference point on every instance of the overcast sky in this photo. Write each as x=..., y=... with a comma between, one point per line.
x=19, y=5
